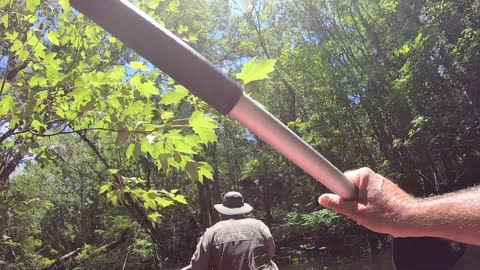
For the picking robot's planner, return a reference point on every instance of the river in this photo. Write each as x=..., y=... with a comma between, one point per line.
x=381, y=261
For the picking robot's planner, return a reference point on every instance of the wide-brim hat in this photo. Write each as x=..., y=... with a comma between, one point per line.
x=233, y=205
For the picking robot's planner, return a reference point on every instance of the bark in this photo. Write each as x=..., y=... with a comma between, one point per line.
x=267, y=203
x=7, y=167
x=205, y=218
x=472, y=90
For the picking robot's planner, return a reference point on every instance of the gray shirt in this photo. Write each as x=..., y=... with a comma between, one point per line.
x=242, y=244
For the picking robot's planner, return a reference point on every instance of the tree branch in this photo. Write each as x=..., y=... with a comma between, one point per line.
x=71, y=259
x=94, y=148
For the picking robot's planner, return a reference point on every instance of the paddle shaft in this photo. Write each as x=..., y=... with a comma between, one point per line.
x=174, y=57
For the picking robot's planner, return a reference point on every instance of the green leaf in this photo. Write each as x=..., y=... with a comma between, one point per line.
x=180, y=198
x=104, y=188
x=112, y=171
x=175, y=96
x=135, y=108
x=153, y=4
x=42, y=95
x=205, y=170
x=65, y=4
x=404, y=50
x=167, y=115
x=389, y=4
x=183, y=147
x=146, y=147
x=204, y=126
x=182, y=29
x=53, y=37
x=138, y=65
x=255, y=70
x=11, y=36
x=130, y=149
x=6, y=86
x=23, y=54
x=152, y=194
x=4, y=20
x=164, y=202
x=148, y=89
x=113, y=198
x=17, y=44
x=80, y=93
x=192, y=38
x=37, y=81
x=32, y=5
x=173, y=7
x=37, y=125
x=155, y=217
x=117, y=73
x=149, y=204
x=48, y=204
x=4, y=3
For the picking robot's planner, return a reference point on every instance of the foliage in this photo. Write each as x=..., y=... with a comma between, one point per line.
x=255, y=70
x=322, y=225
x=95, y=142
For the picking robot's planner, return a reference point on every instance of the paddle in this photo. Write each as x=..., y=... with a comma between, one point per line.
x=174, y=57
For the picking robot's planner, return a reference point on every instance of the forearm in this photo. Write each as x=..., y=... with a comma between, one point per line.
x=454, y=216
x=270, y=248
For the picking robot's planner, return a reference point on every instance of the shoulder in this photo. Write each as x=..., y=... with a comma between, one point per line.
x=257, y=224
x=219, y=227
x=261, y=226
x=231, y=223
x=255, y=221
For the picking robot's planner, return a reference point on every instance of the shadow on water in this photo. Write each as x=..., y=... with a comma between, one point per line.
x=381, y=261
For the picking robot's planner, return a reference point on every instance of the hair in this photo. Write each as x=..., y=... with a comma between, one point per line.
x=225, y=217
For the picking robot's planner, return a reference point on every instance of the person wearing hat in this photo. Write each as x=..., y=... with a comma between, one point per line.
x=236, y=242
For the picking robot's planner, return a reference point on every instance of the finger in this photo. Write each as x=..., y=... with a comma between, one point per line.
x=337, y=204
x=356, y=176
x=352, y=175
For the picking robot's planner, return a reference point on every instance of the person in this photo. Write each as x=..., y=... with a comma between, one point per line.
x=236, y=242
x=383, y=207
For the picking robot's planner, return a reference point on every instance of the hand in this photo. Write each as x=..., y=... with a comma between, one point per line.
x=381, y=205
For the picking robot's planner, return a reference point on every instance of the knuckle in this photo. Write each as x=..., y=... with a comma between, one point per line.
x=365, y=171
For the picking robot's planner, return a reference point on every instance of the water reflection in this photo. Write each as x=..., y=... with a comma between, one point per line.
x=381, y=261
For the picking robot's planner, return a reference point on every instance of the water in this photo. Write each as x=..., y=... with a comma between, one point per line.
x=381, y=261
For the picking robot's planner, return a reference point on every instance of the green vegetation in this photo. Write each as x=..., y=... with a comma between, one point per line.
x=107, y=163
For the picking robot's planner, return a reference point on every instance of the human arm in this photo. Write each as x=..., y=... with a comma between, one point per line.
x=269, y=243
x=201, y=257
x=383, y=207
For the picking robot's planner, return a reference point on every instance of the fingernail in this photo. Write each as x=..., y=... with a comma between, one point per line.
x=324, y=200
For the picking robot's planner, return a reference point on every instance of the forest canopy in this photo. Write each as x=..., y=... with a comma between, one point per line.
x=108, y=163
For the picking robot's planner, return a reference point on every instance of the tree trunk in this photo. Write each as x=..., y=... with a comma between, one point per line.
x=205, y=219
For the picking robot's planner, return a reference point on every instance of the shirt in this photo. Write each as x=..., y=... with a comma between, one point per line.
x=233, y=244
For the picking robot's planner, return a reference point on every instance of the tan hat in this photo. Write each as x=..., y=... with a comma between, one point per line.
x=233, y=205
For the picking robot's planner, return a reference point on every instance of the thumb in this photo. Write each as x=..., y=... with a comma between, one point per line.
x=337, y=204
